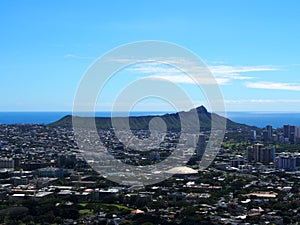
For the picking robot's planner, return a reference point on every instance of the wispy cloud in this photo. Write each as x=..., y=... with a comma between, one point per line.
x=234, y=72
x=223, y=74
x=74, y=56
x=155, y=70
x=69, y=55
x=185, y=79
x=274, y=85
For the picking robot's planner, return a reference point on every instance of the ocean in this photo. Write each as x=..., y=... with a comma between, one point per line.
x=259, y=119
x=50, y=117
x=262, y=119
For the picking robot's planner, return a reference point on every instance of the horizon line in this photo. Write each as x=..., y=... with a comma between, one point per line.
x=143, y=111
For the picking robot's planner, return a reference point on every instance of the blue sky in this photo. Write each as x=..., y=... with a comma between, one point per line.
x=252, y=47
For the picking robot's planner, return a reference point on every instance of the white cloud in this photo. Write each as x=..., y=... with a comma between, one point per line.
x=174, y=78
x=155, y=68
x=234, y=72
x=223, y=74
x=185, y=79
x=274, y=85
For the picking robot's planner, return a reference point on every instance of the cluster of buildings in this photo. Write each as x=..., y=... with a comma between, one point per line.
x=43, y=162
x=37, y=155
x=288, y=134
x=261, y=154
x=34, y=156
x=288, y=161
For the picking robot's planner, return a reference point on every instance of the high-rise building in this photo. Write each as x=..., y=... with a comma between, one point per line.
x=272, y=153
x=201, y=145
x=258, y=152
x=253, y=135
x=289, y=133
x=269, y=132
x=250, y=154
x=288, y=161
x=261, y=154
x=297, y=134
x=265, y=136
x=267, y=155
x=292, y=134
x=286, y=131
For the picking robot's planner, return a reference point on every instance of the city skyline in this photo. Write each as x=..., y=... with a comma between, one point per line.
x=251, y=47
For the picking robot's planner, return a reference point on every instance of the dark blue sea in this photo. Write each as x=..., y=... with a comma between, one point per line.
x=259, y=119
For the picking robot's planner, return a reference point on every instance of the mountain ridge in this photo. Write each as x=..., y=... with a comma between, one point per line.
x=172, y=121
